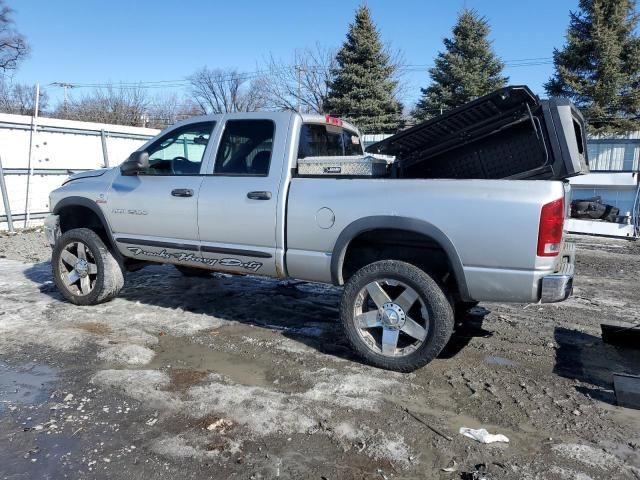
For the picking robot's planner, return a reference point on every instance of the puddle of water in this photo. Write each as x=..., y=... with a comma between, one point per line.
x=26, y=384
x=48, y=451
x=180, y=353
x=495, y=360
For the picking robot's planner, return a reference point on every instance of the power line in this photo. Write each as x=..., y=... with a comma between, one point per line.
x=243, y=76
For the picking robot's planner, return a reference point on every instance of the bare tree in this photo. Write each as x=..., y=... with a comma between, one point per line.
x=167, y=110
x=121, y=106
x=19, y=98
x=301, y=83
x=13, y=46
x=226, y=91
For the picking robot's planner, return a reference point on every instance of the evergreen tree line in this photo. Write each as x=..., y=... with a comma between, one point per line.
x=598, y=68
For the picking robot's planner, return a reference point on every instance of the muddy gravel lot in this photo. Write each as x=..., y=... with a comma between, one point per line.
x=243, y=377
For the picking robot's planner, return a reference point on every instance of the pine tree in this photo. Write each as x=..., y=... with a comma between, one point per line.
x=467, y=69
x=363, y=86
x=599, y=67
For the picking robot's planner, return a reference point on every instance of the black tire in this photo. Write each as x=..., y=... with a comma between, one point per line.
x=193, y=271
x=108, y=279
x=440, y=314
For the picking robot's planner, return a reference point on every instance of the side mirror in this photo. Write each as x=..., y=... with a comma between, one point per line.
x=136, y=162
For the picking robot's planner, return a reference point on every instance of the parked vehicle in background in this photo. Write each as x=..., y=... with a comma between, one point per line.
x=289, y=195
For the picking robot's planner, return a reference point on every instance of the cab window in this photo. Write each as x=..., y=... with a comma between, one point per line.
x=318, y=140
x=180, y=152
x=245, y=148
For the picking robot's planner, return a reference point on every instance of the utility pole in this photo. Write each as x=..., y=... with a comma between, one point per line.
x=299, y=71
x=5, y=200
x=34, y=126
x=65, y=86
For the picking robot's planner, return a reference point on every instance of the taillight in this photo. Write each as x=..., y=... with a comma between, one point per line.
x=551, y=227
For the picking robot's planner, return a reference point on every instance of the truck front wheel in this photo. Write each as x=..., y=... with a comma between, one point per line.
x=84, y=269
x=395, y=315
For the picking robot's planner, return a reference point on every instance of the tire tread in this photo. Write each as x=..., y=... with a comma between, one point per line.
x=441, y=314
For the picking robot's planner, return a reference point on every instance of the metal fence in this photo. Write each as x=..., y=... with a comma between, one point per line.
x=38, y=154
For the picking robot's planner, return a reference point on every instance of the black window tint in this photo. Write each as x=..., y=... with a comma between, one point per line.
x=245, y=148
x=316, y=141
x=351, y=143
x=327, y=140
x=181, y=151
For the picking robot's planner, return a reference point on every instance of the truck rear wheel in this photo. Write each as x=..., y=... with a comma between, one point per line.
x=395, y=315
x=84, y=269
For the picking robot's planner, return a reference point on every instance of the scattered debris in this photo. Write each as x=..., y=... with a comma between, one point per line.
x=481, y=435
x=480, y=473
x=624, y=334
x=221, y=425
x=433, y=429
x=382, y=475
x=452, y=468
x=627, y=388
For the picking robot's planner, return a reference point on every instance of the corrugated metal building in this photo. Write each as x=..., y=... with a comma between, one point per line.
x=614, y=164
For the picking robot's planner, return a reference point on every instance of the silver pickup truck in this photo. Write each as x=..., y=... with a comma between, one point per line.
x=228, y=193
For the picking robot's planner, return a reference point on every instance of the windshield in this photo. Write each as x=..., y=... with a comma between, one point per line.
x=318, y=140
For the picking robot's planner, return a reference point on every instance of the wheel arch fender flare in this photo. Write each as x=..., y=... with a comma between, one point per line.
x=76, y=201
x=388, y=222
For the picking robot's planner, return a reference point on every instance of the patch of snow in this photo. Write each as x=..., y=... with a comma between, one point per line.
x=261, y=410
x=264, y=411
x=392, y=448
x=353, y=390
x=346, y=431
x=587, y=455
x=568, y=474
x=177, y=447
x=127, y=354
x=142, y=385
x=39, y=316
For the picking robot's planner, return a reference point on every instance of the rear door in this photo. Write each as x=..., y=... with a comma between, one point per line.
x=153, y=215
x=239, y=198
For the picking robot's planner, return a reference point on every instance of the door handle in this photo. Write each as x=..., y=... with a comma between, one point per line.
x=259, y=195
x=182, y=192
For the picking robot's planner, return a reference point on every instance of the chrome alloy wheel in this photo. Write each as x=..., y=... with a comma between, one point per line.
x=78, y=268
x=391, y=318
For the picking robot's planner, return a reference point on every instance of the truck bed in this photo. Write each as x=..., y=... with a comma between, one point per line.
x=491, y=226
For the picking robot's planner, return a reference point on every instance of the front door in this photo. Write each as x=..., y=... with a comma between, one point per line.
x=153, y=215
x=238, y=202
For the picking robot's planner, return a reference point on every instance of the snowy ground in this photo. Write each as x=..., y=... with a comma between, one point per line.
x=241, y=377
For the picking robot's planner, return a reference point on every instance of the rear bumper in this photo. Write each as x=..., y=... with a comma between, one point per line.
x=558, y=286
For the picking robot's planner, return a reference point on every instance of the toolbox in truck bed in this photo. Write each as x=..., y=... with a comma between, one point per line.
x=351, y=166
x=509, y=133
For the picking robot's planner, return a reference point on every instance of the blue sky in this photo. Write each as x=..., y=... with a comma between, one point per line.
x=143, y=40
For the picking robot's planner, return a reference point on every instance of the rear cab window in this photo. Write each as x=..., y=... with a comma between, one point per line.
x=320, y=140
